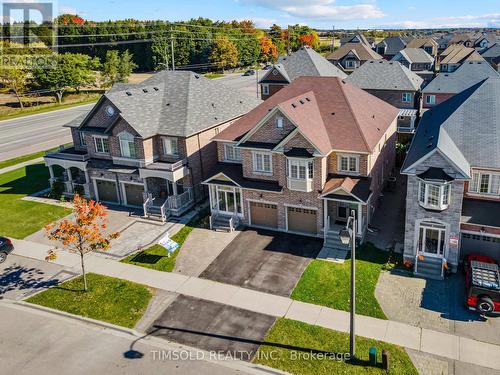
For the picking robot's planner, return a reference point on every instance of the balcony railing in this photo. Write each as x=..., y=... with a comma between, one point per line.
x=68, y=153
x=299, y=184
x=178, y=202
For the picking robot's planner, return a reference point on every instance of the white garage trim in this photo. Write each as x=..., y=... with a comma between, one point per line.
x=257, y=201
x=304, y=208
x=94, y=179
x=124, y=193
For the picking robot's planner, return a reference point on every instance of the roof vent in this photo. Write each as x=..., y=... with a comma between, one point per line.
x=168, y=104
x=215, y=117
x=391, y=63
x=371, y=62
x=241, y=101
x=431, y=138
x=429, y=145
x=301, y=101
x=145, y=90
x=156, y=88
x=333, y=113
x=373, y=116
x=213, y=105
x=196, y=76
x=294, y=105
x=308, y=99
x=128, y=93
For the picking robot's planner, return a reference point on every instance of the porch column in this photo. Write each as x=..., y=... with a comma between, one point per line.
x=70, y=179
x=174, y=188
x=325, y=215
x=51, y=172
x=360, y=219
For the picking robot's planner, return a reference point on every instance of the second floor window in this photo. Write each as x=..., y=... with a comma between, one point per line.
x=279, y=122
x=300, y=169
x=262, y=162
x=265, y=89
x=434, y=196
x=407, y=97
x=232, y=153
x=350, y=64
x=430, y=99
x=349, y=164
x=81, y=135
x=127, y=145
x=170, y=146
x=485, y=183
x=101, y=145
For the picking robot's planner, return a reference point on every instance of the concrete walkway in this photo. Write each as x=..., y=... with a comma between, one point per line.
x=20, y=165
x=424, y=340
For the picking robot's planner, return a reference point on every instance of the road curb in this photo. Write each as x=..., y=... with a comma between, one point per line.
x=47, y=112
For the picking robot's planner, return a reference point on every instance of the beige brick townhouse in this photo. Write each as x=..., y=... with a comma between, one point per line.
x=301, y=160
x=148, y=145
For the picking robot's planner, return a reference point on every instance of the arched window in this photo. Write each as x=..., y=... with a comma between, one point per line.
x=127, y=145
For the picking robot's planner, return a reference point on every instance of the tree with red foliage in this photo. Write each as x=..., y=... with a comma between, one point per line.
x=268, y=50
x=82, y=234
x=307, y=40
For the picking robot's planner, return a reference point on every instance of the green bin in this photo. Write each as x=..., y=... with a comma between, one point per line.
x=373, y=356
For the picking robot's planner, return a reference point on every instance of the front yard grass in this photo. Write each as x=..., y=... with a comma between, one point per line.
x=108, y=299
x=289, y=343
x=22, y=218
x=328, y=284
x=156, y=257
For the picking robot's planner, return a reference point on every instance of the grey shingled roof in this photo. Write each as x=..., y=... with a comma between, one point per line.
x=385, y=75
x=493, y=51
x=465, y=128
x=414, y=55
x=465, y=76
x=308, y=62
x=178, y=103
x=393, y=44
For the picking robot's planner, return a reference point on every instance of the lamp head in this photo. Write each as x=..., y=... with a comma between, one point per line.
x=345, y=236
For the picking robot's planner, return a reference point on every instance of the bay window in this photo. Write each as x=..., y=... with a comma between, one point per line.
x=262, y=162
x=300, y=173
x=101, y=145
x=434, y=196
x=348, y=164
x=127, y=145
x=485, y=183
x=232, y=153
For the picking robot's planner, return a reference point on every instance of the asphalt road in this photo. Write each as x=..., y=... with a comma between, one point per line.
x=44, y=131
x=37, y=342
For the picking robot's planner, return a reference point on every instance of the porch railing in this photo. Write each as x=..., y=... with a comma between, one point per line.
x=148, y=201
x=176, y=202
x=64, y=152
x=327, y=228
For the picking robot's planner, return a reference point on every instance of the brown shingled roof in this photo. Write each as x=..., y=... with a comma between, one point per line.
x=332, y=114
x=362, y=51
x=458, y=55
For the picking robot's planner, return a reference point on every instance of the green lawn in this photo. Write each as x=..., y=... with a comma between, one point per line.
x=328, y=284
x=289, y=342
x=155, y=257
x=213, y=75
x=22, y=218
x=108, y=299
x=21, y=159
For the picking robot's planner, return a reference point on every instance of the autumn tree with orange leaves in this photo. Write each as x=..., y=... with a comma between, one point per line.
x=82, y=234
x=268, y=50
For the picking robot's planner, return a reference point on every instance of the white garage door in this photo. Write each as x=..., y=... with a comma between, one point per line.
x=478, y=244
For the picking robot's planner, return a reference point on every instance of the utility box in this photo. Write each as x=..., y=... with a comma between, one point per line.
x=372, y=353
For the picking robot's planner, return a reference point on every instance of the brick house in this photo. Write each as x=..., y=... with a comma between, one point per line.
x=446, y=85
x=148, y=145
x=418, y=61
x=303, y=62
x=393, y=83
x=351, y=56
x=453, y=168
x=304, y=158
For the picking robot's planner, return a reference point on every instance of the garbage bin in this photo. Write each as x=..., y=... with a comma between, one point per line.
x=372, y=353
x=391, y=183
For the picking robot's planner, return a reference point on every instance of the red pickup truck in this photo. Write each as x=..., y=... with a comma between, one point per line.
x=482, y=280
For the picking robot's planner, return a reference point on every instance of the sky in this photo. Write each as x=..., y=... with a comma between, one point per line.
x=322, y=14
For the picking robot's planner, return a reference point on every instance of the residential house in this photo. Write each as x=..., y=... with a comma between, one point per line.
x=304, y=158
x=429, y=45
x=486, y=41
x=390, y=46
x=492, y=55
x=418, y=61
x=148, y=145
x=443, y=41
x=456, y=55
x=446, y=85
x=453, y=193
x=357, y=38
x=351, y=56
x=304, y=62
x=393, y=83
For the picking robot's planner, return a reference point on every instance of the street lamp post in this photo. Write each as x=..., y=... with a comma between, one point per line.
x=348, y=236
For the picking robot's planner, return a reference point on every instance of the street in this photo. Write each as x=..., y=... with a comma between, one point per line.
x=25, y=135
x=37, y=342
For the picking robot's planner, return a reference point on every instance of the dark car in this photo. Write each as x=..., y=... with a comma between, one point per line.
x=250, y=72
x=482, y=281
x=6, y=247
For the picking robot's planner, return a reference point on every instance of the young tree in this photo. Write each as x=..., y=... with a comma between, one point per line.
x=15, y=79
x=126, y=66
x=82, y=234
x=72, y=70
x=116, y=67
x=224, y=53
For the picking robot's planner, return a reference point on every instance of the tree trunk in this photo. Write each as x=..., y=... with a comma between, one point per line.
x=59, y=95
x=83, y=273
x=19, y=100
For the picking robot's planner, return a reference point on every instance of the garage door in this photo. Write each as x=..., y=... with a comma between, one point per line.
x=133, y=193
x=478, y=244
x=264, y=214
x=302, y=220
x=107, y=191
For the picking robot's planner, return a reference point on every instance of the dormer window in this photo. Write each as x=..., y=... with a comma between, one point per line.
x=279, y=122
x=433, y=195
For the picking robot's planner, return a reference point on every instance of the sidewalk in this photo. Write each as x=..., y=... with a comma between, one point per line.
x=424, y=340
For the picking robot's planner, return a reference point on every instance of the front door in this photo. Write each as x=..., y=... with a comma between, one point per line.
x=431, y=239
x=344, y=210
x=227, y=200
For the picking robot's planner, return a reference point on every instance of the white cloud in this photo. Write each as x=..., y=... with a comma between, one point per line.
x=482, y=20
x=261, y=22
x=321, y=9
x=63, y=9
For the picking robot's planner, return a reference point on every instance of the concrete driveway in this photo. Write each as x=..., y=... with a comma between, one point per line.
x=267, y=261
x=21, y=277
x=434, y=304
x=212, y=326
